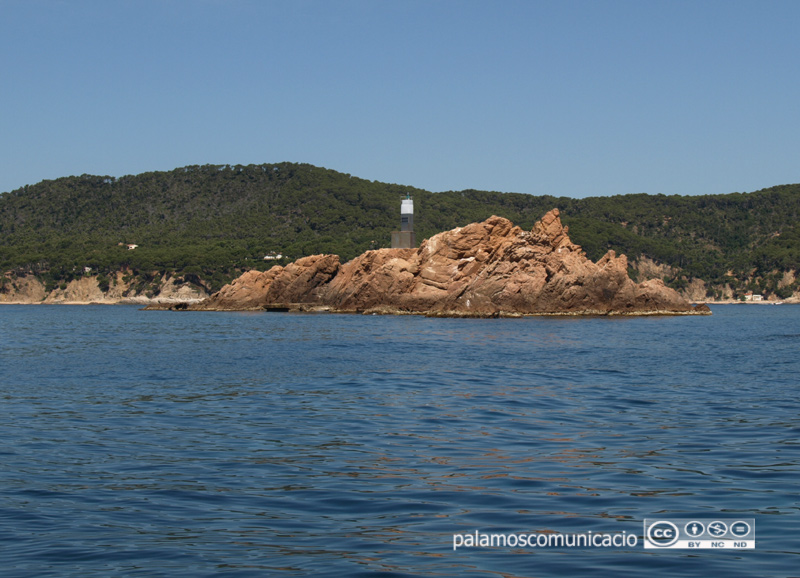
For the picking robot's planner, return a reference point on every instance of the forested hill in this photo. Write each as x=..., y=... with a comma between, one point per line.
x=211, y=222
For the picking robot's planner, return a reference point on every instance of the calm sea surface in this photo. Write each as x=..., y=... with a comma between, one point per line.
x=200, y=444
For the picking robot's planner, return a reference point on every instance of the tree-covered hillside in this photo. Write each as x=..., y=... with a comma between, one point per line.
x=211, y=222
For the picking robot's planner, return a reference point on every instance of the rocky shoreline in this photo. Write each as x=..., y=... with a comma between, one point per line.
x=697, y=309
x=177, y=304
x=488, y=269
x=28, y=290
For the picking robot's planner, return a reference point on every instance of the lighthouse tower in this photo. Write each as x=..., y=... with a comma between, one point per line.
x=405, y=237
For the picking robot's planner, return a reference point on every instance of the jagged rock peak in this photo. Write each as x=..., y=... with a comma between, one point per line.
x=482, y=269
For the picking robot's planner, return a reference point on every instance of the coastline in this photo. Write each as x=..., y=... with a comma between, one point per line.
x=178, y=304
x=29, y=290
x=157, y=300
x=698, y=309
x=146, y=301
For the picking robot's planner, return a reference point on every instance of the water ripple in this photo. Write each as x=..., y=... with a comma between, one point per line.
x=160, y=444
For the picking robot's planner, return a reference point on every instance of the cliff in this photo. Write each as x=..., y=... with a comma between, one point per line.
x=484, y=269
x=30, y=290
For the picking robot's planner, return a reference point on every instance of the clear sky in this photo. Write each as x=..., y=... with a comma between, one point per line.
x=566, y=97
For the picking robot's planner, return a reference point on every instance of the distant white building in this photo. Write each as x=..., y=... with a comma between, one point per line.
x=272, y=256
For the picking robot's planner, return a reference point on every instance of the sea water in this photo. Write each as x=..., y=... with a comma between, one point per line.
x=140, y=443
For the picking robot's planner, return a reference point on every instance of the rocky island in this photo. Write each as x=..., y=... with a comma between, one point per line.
x=486, y=269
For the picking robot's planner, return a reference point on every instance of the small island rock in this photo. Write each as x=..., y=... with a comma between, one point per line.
x=483, y=269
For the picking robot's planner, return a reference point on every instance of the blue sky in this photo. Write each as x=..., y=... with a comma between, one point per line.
x=568, y=97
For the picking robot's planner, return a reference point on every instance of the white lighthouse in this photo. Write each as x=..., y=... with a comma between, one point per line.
x=405, y=237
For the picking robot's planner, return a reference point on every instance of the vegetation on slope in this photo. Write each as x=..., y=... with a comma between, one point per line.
x=208, y=223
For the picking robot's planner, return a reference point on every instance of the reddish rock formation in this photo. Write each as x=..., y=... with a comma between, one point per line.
x=483, y=269
x=280, y=287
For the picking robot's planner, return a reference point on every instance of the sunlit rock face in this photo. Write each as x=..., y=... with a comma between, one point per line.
x=483, y=269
